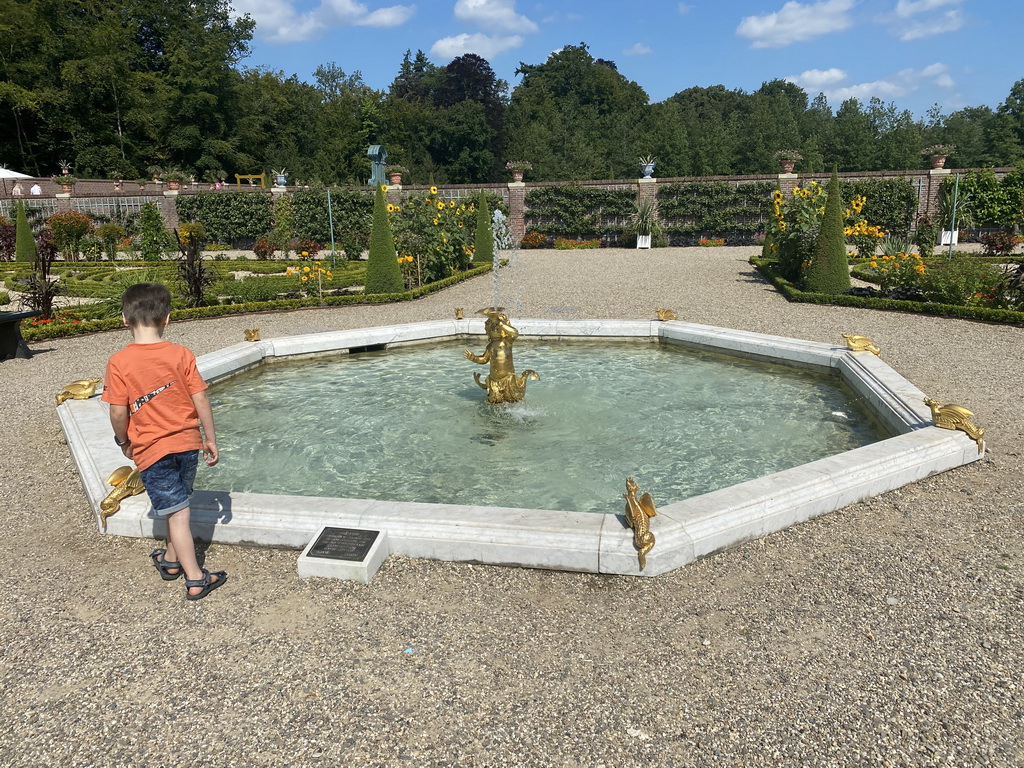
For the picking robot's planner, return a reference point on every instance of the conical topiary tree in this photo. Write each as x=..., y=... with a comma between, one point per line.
x=829, y=271
x=383, y=275
x=484, y=235
x=25, y=243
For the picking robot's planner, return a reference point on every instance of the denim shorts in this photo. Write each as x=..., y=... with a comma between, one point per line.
x=169, y=481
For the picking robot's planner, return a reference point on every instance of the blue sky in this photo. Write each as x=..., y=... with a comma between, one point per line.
x=914, y=53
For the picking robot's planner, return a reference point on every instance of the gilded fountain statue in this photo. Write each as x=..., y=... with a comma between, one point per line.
x=502, y=384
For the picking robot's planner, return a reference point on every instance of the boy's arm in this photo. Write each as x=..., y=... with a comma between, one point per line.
x=119, y=417
x=202, y=404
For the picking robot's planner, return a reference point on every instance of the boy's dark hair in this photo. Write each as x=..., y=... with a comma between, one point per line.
x=146, y=304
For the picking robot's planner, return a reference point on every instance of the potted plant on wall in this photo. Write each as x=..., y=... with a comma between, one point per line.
x=788, y=158
x=518, y=168
x=647, y=163
x=67, y=183
x=280, y=177
x=395, y=173
x=174, y=179
x=937, y=154
x=644, y=223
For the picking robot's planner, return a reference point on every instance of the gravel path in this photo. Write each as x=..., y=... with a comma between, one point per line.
x=888, y=633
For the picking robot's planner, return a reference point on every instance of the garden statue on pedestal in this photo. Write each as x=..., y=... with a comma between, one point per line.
x=378, y=161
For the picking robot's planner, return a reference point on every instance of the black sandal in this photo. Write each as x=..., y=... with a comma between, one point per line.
x=165, y=566
x=207, y=585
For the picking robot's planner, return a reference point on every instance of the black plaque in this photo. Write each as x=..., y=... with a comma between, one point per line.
x=343, y=544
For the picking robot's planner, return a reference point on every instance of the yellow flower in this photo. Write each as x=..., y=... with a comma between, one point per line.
x=440, y=205
x=383, y=187
x=304, y=278
x=451, y=204
x=317, y=263
x=305, y=253
x=433, y=190
x=460, y=225
x=919, y=269
x=391, y=208
x=305, y=269
x=874, y=265
x=782, y=226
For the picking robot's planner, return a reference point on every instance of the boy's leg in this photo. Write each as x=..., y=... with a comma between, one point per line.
x=182, y=548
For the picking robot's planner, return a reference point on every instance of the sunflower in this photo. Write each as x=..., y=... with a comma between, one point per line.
x=433, y=190
x=440, y=205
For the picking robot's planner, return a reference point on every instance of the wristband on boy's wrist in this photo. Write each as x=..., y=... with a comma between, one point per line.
x=119, y=443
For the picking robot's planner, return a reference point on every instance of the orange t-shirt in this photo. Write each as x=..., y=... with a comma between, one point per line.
x=156, y=382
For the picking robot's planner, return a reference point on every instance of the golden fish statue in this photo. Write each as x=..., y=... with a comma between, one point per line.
x=950, y=416
x=82, y=389
x=502, y=384
x=127, y=482
x=638, y=514
x=665, y=314
x=459, y=314
x=861, y=344
x=252, y=334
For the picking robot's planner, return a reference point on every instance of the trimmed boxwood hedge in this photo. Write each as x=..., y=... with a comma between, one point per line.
x=794, y=294
x=61, y=330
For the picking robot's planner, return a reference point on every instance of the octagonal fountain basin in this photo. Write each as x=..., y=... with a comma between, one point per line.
x=447, y=476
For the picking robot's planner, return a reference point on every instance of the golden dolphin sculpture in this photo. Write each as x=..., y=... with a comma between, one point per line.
x=638, y=514
x=82, y=389
x=502, y=384
x=950, y=416
x=859, y=343
x=127, y=482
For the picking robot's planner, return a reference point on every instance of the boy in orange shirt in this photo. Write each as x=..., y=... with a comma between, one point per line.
x=157, y=402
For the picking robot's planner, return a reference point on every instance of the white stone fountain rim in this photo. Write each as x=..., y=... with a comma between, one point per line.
x=572, y=541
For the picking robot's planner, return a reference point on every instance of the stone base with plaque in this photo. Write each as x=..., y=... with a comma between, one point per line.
x=352, y=554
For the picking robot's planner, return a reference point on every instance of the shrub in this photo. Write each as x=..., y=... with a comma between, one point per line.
x=25, y=245
x=484, y=235
x=533, y=239
x=566, y=244
x=577, y=211
x=110, y=234
x=193, y=274
x=5, y=298
x=963, y=280
x=383, y=274
x=154, y=238
x=829, y=269
x=284, y=224
x=8, y=240
x=925, y=236
x=999, y=243
x=264, y=248
x=435, y=234
x=351, y=211
x=69, y=227
x=900, y=271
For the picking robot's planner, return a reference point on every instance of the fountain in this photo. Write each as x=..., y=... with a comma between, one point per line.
x=605, y=542
x=502, y=384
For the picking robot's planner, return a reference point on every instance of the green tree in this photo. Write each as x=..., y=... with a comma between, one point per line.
x=829, y=271
x=383, y=274
x=484, y=234
x=25, y=243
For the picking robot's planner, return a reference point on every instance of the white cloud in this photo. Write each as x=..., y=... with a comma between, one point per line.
x=897, y=85
x=684, y=9
x=482, y=45
x=493, y=15
x=907, y=8
x=814, y=80
x=279, y=21
x=950, y=21
x=638, y=50
x=795, y=22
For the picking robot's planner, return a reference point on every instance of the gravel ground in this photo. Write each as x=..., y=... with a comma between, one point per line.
x=888, y=633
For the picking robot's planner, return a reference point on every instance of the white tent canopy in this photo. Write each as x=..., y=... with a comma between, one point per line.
x=6, y=173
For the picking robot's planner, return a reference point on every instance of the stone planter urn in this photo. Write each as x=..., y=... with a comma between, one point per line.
x=66, y=188
x=517, y=176
x=395, y=179
x=173, y=185
x=280, y=179
x=938, y=161
x=647, y=169
x=787, y=166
